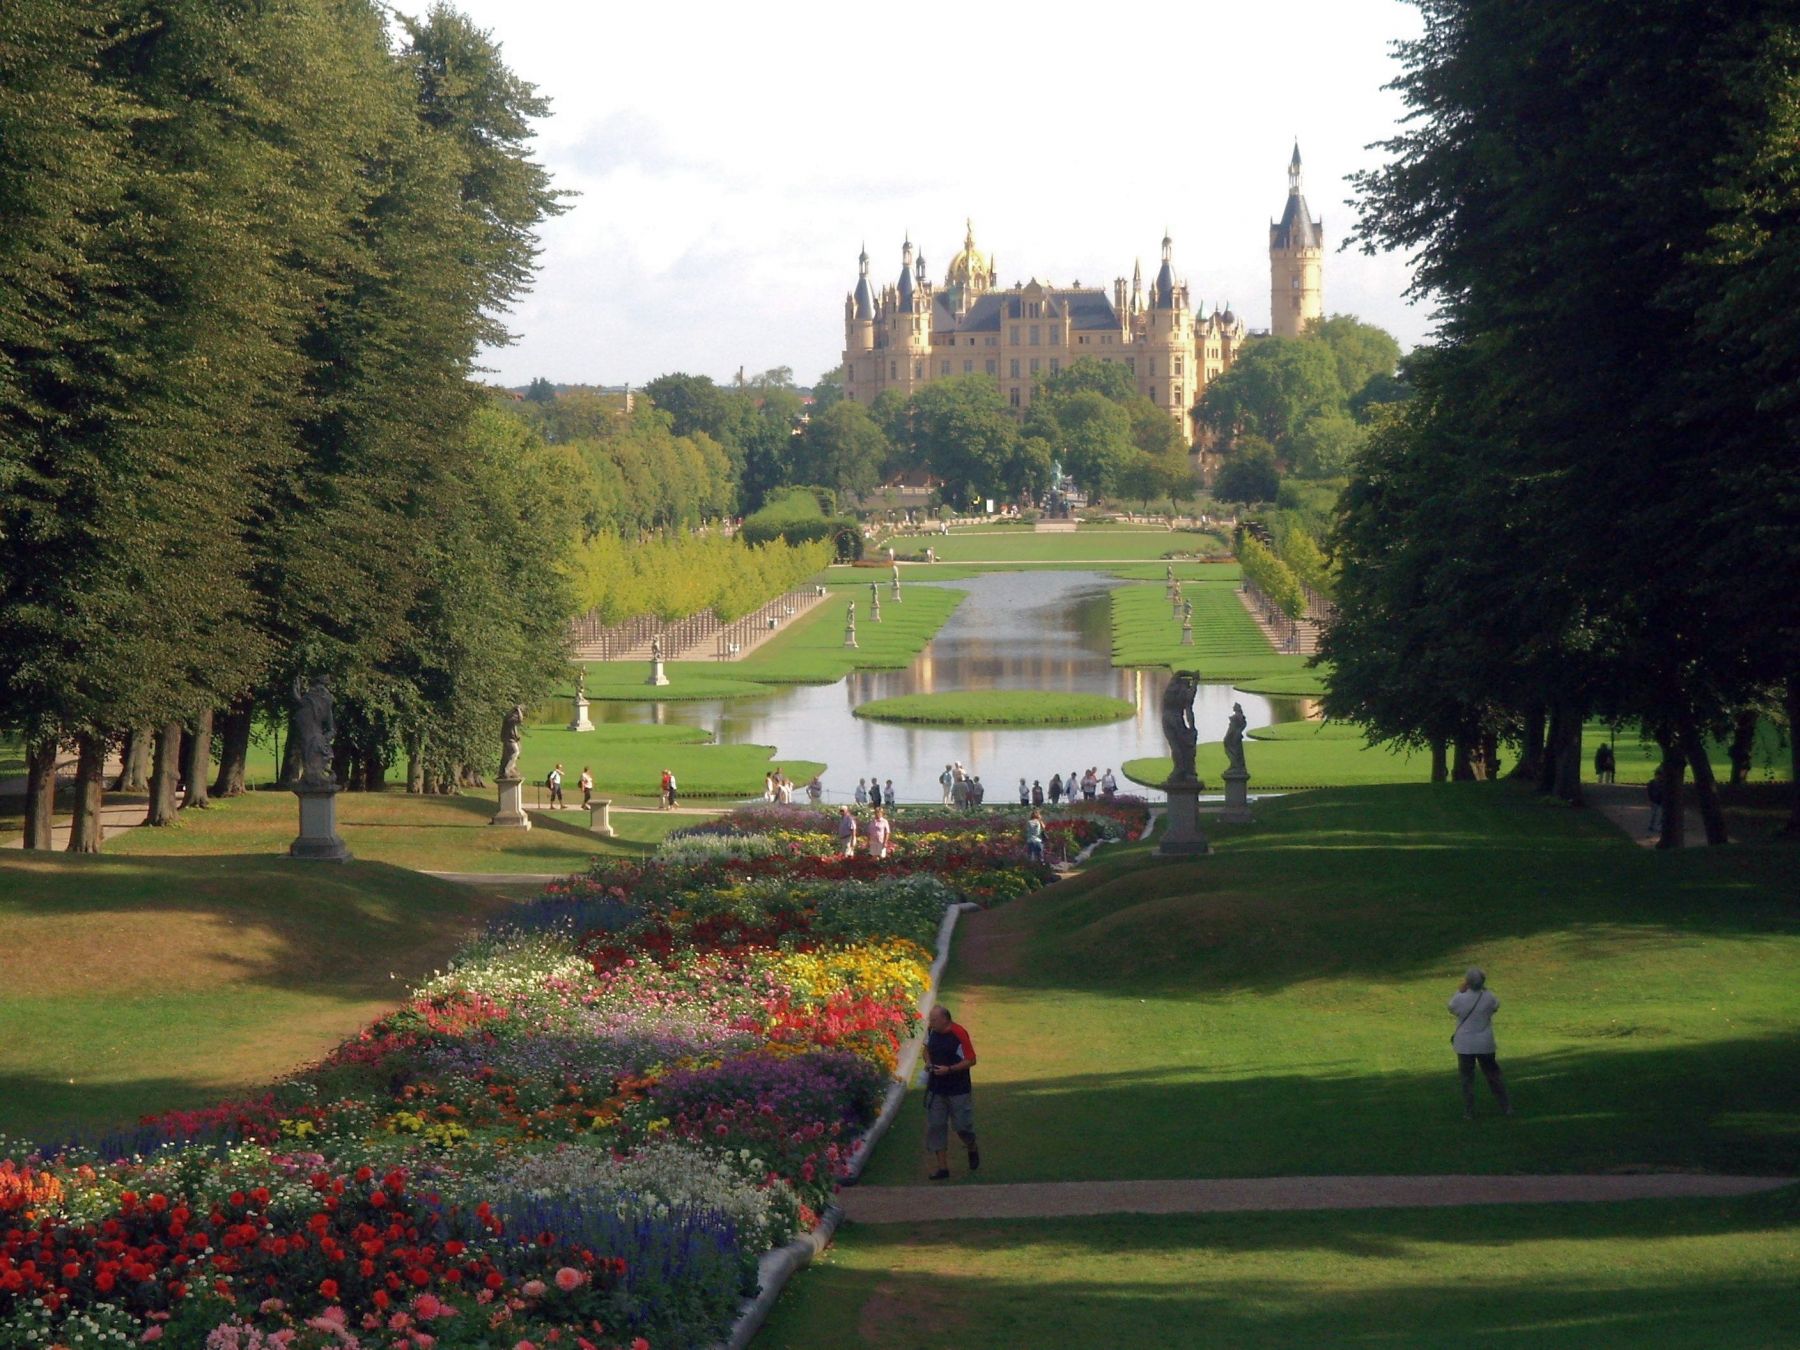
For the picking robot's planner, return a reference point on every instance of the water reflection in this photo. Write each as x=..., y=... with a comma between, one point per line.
x=1023, y=630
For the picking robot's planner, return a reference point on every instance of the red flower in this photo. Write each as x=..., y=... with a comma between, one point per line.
x=329, y=1288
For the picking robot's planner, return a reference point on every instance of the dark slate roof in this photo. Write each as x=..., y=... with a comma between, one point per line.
x=865, y=302
x=1297, y=229
x=1088, y=311
x=906, y=286
x=1162, y=294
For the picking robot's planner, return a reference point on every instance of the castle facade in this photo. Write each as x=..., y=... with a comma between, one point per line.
x=905, y=334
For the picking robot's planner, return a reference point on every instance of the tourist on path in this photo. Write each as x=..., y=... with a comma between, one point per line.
x=1109, y=786
x=881, y=829
x=815, y=790
x=668, y=790
x=1034, y=837
x=947, y=780
x=1090, y=784
x=586, y=784
x=846, y=828
x=1474, y=1005
x=556, y=792
x=949, y=1096
x=1037, y=793
x=769, y=786
x=1024, y=793
x=862, y=792
x=887, y=795
x=1657, y=794
x=1604, y=764
x=1056, y=788
x=875, y=798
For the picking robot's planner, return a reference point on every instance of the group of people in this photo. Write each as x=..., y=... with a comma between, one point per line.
x=962, y=789
x=1082, y=787
x=871, y=791
x=554, y=782
x=778, y=787
x=879, y=834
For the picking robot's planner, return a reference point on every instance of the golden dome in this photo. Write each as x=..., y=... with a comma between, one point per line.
x=971, y=269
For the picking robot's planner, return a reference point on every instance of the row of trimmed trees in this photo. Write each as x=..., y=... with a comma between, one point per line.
x=247, y=257
x=1591, y=508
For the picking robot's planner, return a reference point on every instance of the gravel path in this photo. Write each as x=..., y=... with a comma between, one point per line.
x=922, y=1204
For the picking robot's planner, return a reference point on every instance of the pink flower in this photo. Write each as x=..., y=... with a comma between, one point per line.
x=524, y=1345
x=535, y=1288
x=270, y=1305
x=569, y=1278
x=426, y=1307
x=151, y=1334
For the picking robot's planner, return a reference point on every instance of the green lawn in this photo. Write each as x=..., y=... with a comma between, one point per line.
x=138, y=984
x=1277, y=1007
x=988, y=708
x=1089, y=543
x=1701, y=1274
x=1227, y=643
x=810, y=651
x=439, y=834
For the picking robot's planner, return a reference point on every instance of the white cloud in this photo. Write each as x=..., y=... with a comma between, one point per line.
x=732, y=160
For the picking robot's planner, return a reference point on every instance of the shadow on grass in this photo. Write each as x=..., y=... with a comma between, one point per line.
x=1688, y=1273
x=1729, y=1106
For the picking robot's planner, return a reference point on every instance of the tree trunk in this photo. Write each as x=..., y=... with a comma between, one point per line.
x=415, y=768
x=1568, y=759
x=291, y=767
x=182, y=756
x=197, y=745
x=1553, y=738
x=40, y=792
x=1462, y=766
x=1743, y=740
x=1793, y=715
x=374, y=773
x=1440, y=768
x=1490, y=756
x=1531, y=745
x=234, y=749
x=1671, y=772
x=165, y=769
x=134, y=766
x=1712, y=814
x=85, y=831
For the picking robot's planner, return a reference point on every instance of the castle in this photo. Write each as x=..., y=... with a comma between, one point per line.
x=906, y=334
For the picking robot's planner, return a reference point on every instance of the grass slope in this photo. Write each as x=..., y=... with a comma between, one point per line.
x=1011, y=708
x=1227, y=643
x=1699, y=1274
x=439, y=834
x=137, y=984
x=1088, y=543
x=1278, y=1007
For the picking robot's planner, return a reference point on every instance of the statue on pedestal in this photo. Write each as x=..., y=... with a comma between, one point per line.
x=581, y=684
x=1234, y=740
x=1178, y=724
x=656, y=648
x=511, y=733
x=315, y=728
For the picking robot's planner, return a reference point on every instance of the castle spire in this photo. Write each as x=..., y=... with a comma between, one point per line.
x=1294, y=171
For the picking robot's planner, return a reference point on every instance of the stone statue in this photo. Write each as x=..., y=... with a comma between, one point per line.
x=850, y=615
x=1234, y=740
x=314, y=728
x=1178, y=724
x=580, y=683
x=1187, y=611
x=656, y=647
x=511, y=732
x=874, y=594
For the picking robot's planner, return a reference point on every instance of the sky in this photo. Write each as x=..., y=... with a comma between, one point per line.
x=731, y=161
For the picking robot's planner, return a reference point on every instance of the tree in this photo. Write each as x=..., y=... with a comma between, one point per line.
x=843, y=449
x=1087, y=375
x=1324, y=445
x=960, y=429
x=828, y=390
x=1248, y=473
x=1271, y=390
x=1361, y=351
x=540, y=390
x=1095, y=440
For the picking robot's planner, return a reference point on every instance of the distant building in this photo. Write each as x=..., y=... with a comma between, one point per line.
x=904, y=335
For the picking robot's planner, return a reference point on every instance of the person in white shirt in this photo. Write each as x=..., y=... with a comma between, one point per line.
x=1474, y=1005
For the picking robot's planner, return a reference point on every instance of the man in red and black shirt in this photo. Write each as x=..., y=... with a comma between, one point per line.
x=949, y=1097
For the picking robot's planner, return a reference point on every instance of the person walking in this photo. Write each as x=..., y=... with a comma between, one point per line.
x=1090, y=784
x=1034, y=837
x=769, y=786
x=887, y=795
x=1056, y=788
x=1037, y=793
x=946, y=781
x=1024, y=793
x=949, y=1095
x=556, y=792
x=670, y=790
x=1109, y=786
x=881, y=830
x=846, y=829
x=875, y=791
x=586, y=784
x=1473, y=1005
x=862, y=792
x=815, y=790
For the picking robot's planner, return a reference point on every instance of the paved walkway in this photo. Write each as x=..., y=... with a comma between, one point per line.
x=115, y=819
x=1626, y=806
x=1046, y=1200
x=499, y=878
x=1278, y=639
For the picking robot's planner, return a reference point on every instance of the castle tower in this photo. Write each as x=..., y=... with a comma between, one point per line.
x=1296, y=263
x=861, y=377
x=1165, y=373
x=909, y=331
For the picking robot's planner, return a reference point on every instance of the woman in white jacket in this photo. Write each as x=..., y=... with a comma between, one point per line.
x=1473, y=1006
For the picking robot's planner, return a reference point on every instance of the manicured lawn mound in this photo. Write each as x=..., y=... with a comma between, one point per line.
x=1011, y=708
x=438, y=834
x=1310, y=732
x=1698, y=1274
x=1227, y=643
x=1295, y=763
x=623, y=682
x=1278, y=1006
x=1088, y=543
x=136, y=984
x=1301, y=683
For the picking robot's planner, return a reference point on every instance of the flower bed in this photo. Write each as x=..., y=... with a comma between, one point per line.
x=584, y=1132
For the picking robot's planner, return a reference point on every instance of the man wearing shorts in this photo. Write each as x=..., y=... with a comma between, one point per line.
x=949, y=1098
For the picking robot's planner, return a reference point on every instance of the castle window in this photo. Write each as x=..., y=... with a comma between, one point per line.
x=1131, y=364
x=993, y=366
x=1153, y=393
x=1106, y=339
x=994, y=341
x=1056, y=335
x=1034, y=335
x=968, y=367
x=1034, y=365
x=971, y=342
x=1179, y=362
x=1015, y=367
x=1293, y=283
x=1176, y=396
x=1014, y=399
x=1153, y=365
x=918, y=370
x=1015, y=335
x=1055, y=365
x=943, y=367
x=1082, y=340
x=893, y=370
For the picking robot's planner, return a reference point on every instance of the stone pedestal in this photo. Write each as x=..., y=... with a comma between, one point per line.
x=511, y=815
x=1187, y=632
x=580, y=721
x=875, y=610
x=895, y=587
x=657, y=675
x=1237, y=800
x=849, y=635
x=319, y=840
x=1182, y=837
x=600, y=816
